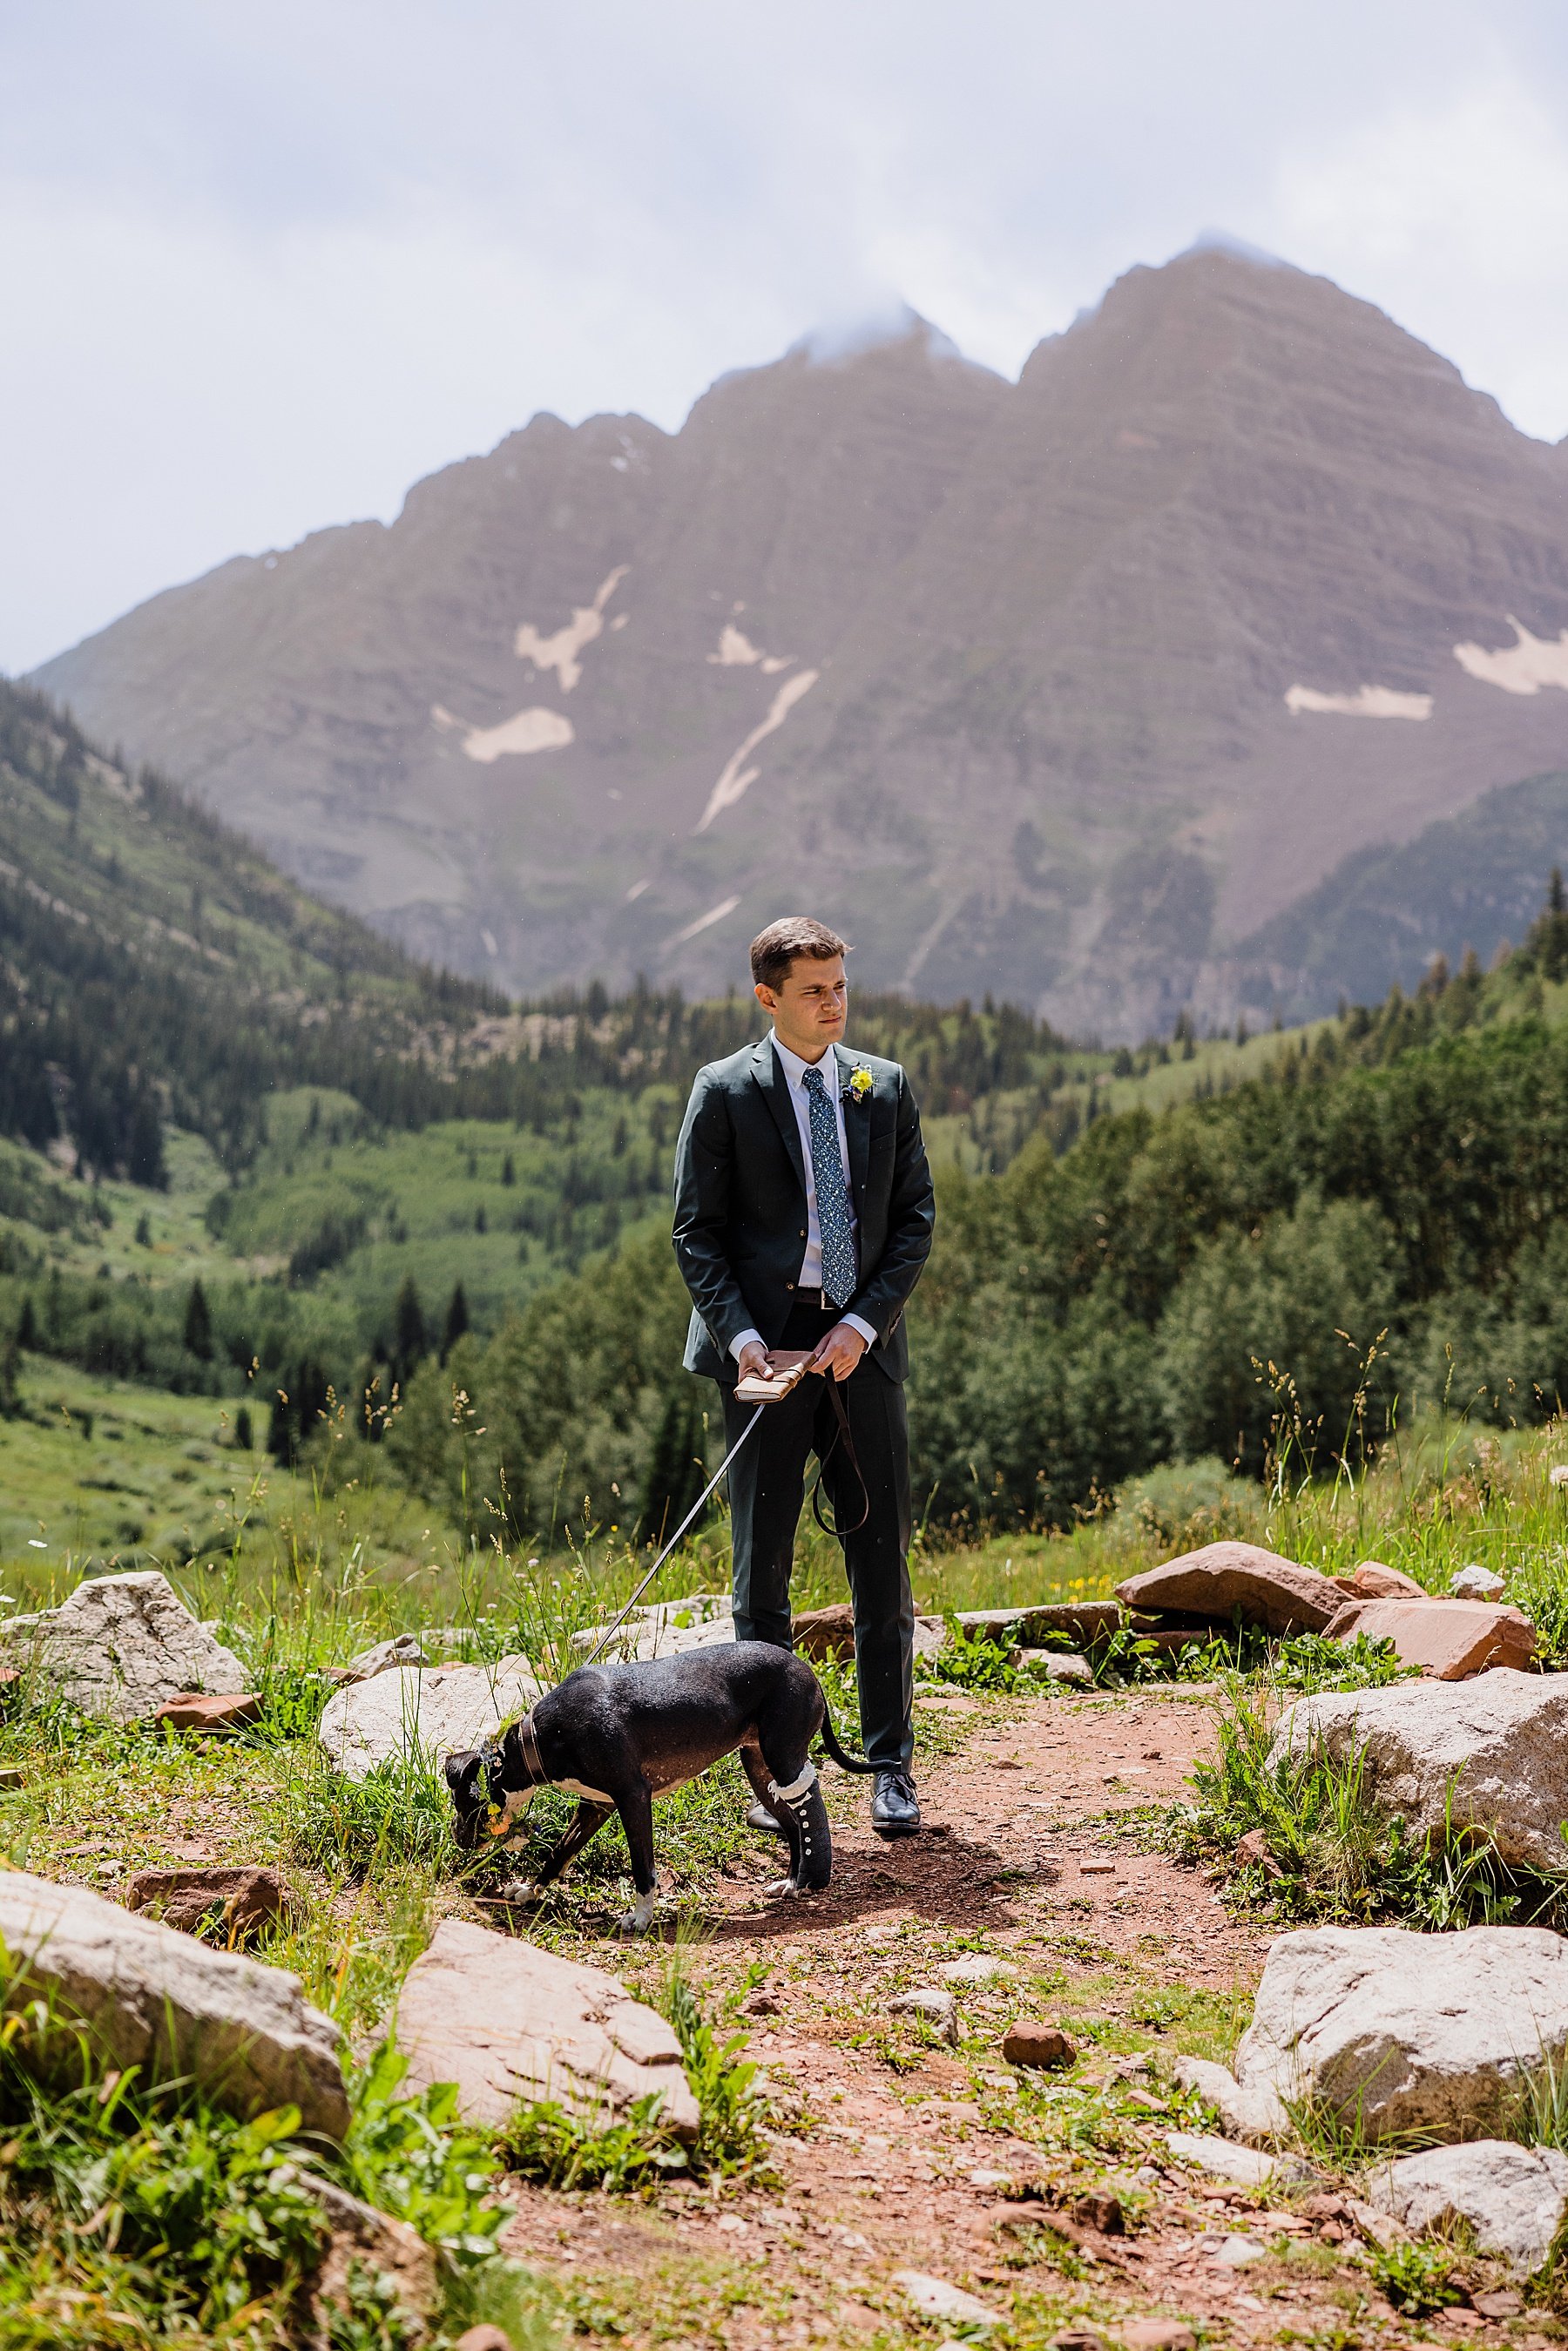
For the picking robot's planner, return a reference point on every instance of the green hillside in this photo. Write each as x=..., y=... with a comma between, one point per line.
x=1379, y=919
x=314, y=1203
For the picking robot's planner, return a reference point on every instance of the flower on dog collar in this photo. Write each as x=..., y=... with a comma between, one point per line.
x=861, y=1083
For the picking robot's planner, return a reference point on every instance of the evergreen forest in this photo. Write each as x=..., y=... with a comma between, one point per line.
x=391, y=1227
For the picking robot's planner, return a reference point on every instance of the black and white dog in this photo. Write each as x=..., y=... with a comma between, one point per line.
x=618, y=1735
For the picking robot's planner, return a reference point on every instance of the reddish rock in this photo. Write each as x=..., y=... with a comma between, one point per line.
x=825, y=1632
x=228, y=1906
x=1100, y=2209
x=1031, y=2044
x=1448, y=1639
x=1158, y=2335
x=831, y=1632
x=1373, y=1581
x=198, y=1710
x=1252, y=1852
x=1221, y=1578
x=483, y=2338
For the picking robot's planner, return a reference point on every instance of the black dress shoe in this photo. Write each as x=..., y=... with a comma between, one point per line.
x=895, y=1808
x=760, y=1819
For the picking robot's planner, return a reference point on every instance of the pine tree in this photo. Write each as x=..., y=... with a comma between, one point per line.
x=280, y=1430
x=27, y=1326
x=676, y=1473
x=198, y=1335
x=411, y=1339
x=144, y=1162
x=456, y=1321
x=243, y=1435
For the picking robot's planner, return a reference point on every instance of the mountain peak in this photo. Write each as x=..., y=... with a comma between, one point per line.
x=1052, y=689
x=851, y=337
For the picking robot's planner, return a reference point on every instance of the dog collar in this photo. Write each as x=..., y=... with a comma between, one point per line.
x=528, y=1739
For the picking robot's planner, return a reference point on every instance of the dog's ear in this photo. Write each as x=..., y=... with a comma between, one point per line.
x=466, y=1786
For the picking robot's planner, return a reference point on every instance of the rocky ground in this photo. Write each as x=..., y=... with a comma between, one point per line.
x=1049, y=2196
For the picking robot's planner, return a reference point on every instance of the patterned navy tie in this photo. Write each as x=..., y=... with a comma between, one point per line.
x=833, y=1193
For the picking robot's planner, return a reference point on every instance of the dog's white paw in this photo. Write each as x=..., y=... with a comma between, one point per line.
x=638, y=1918
x=779, y=1886
x=517, y=1889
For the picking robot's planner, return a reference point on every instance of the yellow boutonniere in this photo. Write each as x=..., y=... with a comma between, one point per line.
x=861, y=1082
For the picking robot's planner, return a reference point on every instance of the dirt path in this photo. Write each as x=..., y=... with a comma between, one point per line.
x=918, y=2150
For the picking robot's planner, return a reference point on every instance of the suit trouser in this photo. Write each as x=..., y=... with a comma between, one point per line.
x=767, y=1487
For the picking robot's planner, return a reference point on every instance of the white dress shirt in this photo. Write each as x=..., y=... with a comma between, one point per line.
x=810, y=1274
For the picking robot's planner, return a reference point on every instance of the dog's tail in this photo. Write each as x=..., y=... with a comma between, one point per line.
x=831, y=1742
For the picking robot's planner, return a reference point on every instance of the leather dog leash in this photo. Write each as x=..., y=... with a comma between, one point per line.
x=841, y=1436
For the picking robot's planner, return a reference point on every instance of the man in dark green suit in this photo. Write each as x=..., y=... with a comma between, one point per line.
x=803, y=1216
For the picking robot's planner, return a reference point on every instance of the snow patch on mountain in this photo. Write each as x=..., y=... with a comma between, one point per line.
x=562, y=651
x=735, y=775
x=1521, y=668
x=1368, y=702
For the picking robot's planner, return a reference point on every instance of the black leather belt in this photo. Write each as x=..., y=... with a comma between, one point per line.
x=818, y=1300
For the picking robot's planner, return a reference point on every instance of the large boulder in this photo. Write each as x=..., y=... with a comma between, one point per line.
x=1448, y=1639
x=408, y=1714
x=120, y=1647
x=1223, y=1577
x=1512, y=2198
x=1489, y=1755
x=1395, y=2033
x=148, y=1996
x=505, y=2020
x=663, y=1628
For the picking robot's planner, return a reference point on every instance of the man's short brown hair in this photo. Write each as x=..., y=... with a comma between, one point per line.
x=775, y=949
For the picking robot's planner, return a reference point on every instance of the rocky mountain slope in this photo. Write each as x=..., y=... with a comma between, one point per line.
x=1063, y=690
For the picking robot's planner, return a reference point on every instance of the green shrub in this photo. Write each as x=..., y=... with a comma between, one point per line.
x=139, y=2215
x=203, y=2212
x=1417, y=2278
x=971, y=1659
x=547, y=2142
x=724, y=2084
x=410, y=2156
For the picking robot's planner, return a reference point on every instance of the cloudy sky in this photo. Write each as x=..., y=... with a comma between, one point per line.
x=263, y=268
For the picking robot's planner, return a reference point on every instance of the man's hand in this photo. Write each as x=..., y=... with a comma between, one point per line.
x=753, y=1357
x=839, y=1353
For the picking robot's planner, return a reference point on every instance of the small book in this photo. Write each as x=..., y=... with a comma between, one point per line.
x=786, y=1370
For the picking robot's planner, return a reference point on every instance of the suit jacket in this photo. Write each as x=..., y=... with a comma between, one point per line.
x=740, y=1204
